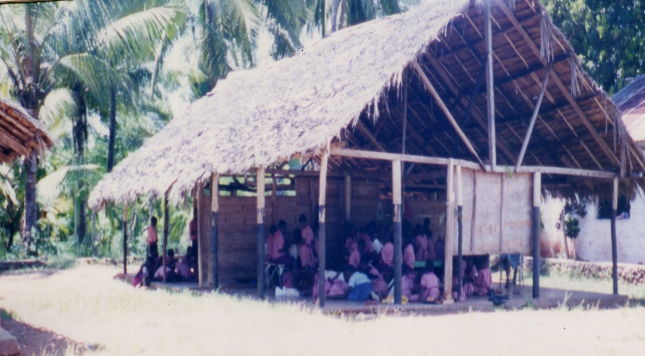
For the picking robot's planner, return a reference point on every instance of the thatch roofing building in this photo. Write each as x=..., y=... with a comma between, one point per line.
x=631, y=102
x=348, y=87
x=20, y=133
x=423, y=100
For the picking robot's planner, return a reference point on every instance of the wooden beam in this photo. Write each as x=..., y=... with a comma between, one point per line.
x=535, y=232
x=438, y=161
x=260, y=230
x=125, y=240
x=363, y=130
x=460, y=237
x=536, y=51
x=450, y=207
x=536, y=110
x=322, y=242
x=215, y=227
x=445, y=110
x=490, y=86
x=166, y=220
x=348, y=197
x=398, y=232
x=614, y=244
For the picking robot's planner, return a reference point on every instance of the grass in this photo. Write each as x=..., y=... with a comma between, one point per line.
x=85, y=304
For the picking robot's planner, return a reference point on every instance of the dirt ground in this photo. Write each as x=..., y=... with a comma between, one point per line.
x=38, y=341
x=86, y=305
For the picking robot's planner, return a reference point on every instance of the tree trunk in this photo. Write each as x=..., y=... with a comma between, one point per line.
x=112, y=138
x=564, y=232
x=30, y=165
x=80, y=137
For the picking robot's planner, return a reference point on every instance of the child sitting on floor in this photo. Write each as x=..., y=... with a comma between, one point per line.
x=484, y=280
x=357, y=253
x=359, y=284
x=429, y=285
x=408, y=253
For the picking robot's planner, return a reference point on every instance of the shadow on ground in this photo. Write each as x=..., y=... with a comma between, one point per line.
x=38, y=341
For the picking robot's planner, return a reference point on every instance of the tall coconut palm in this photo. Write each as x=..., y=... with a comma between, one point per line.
x=85, y=40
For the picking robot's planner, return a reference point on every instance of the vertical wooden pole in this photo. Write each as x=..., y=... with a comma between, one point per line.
x=537, y=198
x=398, y=231
x=348, y=198
x=214, y=226
x=460, y=207
x=199, y=192
x=94, y=246
x=125, y=239
x=450, y=216
x=166, y=222
x=490, y=86
x=614, y=245
x=322, y=241
x=260, y=230
x=274, y=197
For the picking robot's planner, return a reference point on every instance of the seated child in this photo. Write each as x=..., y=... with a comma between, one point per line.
x=305, y=253
x=484, y=279
x=144, y=276
x=429, y=284
x=408, y=254
x=359, y=284
x=185, y=267
x=170, y=267
x=387, y=257
x=355, y=257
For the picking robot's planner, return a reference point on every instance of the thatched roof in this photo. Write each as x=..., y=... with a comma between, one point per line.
x=20, y=133
x=348, y=87
x=631, y=102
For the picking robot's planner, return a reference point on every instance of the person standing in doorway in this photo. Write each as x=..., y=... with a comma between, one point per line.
x=152, y=240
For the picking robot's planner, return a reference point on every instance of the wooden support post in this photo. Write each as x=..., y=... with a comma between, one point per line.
x=614, y=246
x=166, y=222
x=125, y=239
x=398, y=231
x=348, y=198
x=260, y=230
x=274, y=199
x=490, y=86
x=444, y=108
x=537, y=198
x=199, y=192
x=536, y=111
x=214, y=226
x=460, y=207
x=322, y=241
x=450, y=215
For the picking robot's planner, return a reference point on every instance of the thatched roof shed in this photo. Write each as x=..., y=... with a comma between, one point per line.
x=631, y=102
x=348, y=87
x=20, y=133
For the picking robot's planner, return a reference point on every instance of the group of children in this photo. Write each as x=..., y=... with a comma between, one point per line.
x=368, y=264
x=182, y=269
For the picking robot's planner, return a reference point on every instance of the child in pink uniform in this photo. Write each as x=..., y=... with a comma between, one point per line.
x=152, y=240
x=304, y=252
x=308, y=238
x=484, y=279
x=408, y=254
x=355, y=257
x=429, y=284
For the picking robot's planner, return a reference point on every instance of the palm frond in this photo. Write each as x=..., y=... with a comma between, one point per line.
x=57, y=106
x=137, y=34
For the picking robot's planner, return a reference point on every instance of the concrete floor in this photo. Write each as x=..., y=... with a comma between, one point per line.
x=549, y=298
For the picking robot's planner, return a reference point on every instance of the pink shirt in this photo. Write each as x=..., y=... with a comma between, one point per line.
x=308, y=235
x=369, y=248
x=484, y=279
x=306, y=256
x=349, y=244
x=429, y=280
x=387, y=254
x=152, y=235
x=275, y=244
x=408, y=256
x=407, y=285
x=422, y=246
x=354, y=258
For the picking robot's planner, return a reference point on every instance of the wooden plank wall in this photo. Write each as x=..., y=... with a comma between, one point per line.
x=237, y=226
x=499, y=208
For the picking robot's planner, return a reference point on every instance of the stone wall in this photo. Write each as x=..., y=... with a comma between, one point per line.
x=629, y=273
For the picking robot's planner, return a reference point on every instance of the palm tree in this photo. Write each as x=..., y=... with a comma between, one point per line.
x=80, y=45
